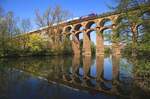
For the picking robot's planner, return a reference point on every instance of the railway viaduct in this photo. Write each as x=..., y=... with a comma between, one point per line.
x=87, y=24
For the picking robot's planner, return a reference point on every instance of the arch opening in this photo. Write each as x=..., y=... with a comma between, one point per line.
x=80, y=39
x=69, y=37
x=146, y=15
x=107, y=33
x=140, y=31
x=122, y=20
x=92, y=38
x=78, y=27
x=68, y=29
x=90, y=25
x=125, y=35
x=107, y=37
x=106, y=23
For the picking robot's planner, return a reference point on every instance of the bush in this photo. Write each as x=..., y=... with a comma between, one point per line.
x=93, y=48
x=107, y=50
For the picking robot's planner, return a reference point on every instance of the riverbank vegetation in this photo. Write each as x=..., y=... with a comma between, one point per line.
x=16, y=41
x=133, y=27
x=133, y=30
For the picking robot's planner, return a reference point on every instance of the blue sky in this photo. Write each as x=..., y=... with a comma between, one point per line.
x=26, y=8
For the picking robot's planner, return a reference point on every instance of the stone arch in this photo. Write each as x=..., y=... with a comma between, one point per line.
x=139, y=28
x=140, y=31
x=107, y=34
x=124, y=32
x=78, y=27
x=121, y=19
x=118, y=19
x=88, y=33
x=69, y=36
x=146, y=15
x=68, y=29
x=92, y=38
x=78, y=34
x=104, y=28
x=90, y=24
x=106, y=22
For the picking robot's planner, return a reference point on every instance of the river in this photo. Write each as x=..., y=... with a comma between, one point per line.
x=72, y=77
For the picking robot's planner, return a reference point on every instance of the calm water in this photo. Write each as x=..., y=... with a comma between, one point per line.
x=103, y=77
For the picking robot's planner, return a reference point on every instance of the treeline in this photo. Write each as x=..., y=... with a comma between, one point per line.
x=133, y=27
x=14, y=40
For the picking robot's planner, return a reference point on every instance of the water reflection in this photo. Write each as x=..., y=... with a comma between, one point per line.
x=111, y=75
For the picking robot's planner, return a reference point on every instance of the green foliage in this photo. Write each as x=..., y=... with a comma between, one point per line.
x=143, y=66
x=127, y=50
x=35, y=45
x=144, y=45
x=93, y=48
x=67, y=48
x=107, y=50
x=126, y=29
x=14, y=43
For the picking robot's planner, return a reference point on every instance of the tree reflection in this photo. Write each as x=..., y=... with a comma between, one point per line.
x=128, y=74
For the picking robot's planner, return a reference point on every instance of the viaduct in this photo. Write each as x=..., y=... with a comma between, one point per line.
x=87, y=24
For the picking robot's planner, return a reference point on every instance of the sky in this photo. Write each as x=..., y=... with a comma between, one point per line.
x=26, y=8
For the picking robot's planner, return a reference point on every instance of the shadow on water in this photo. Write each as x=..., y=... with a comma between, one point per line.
x=105, y=77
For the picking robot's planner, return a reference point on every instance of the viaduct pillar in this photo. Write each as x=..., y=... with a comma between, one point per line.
x=86, y=65
x=99, y=66
x=99, y=43
x=115, y=65
x=75, y=45
x=86, y=44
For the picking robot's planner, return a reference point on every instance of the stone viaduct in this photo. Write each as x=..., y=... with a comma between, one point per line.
x=87, y=24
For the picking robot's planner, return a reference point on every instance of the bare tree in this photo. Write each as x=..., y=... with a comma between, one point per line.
x=25, y=25
x=52, y=19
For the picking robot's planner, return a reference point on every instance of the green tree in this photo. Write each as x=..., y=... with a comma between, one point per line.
x=129, y=19
x=8, y=28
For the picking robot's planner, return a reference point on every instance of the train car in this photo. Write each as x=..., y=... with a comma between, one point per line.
x=89, y=15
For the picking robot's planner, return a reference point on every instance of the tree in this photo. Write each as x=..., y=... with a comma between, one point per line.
x=6, y=32
x=25, y=27
x=52, y=19
x=129, y=20
x=2, y=29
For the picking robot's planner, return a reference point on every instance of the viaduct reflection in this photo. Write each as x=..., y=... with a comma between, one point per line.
x=108, y=74
x=82, y=72
x=88, y=73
